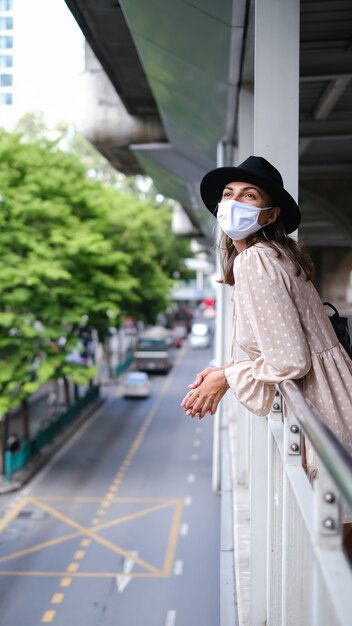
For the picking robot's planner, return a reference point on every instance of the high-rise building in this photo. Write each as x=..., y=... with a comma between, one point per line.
x=6, y=52
x=41, y=57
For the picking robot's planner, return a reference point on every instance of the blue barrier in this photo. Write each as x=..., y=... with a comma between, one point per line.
x=121, y=367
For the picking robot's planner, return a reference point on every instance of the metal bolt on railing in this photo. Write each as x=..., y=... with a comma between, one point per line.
x=329, y=497
x=329, y=523
x=276, y=407
x=294, y=447
x=294, y=428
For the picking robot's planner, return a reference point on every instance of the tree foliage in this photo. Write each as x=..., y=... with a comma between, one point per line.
x=75, y=254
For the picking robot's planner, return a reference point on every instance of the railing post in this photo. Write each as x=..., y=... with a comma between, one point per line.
x=327, y=534
x=295, y=550
x=243, y=444
x=258, y=520
x=327, y=511
x=275, y=496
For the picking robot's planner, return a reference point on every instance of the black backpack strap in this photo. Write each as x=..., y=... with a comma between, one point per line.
x=332, y=307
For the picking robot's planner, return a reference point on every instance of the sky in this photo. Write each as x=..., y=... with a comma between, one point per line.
x=48, y=58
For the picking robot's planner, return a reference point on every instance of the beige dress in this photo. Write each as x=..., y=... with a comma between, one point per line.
x=282, y=326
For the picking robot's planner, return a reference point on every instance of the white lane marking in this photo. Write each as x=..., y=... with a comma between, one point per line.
x=122, y=581
x=194, y=457
x=184, y=529
x=196, y=443
x=170, y=618
x=191, y=478
x=188, y=500
x=198, y=429
x=178, y=568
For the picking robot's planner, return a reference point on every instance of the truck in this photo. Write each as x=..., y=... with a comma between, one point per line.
x=153, y=350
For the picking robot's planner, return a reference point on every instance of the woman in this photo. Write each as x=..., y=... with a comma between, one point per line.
x=279, y=320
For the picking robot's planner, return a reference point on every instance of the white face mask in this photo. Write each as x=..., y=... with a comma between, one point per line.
x=239, y=220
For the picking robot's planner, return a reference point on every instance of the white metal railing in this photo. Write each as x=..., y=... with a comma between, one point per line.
x=290, y=567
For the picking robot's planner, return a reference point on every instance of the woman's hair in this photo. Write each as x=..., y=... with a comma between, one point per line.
x=274, y=236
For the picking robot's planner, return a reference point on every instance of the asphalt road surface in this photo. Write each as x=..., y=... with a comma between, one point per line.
x=121, y=527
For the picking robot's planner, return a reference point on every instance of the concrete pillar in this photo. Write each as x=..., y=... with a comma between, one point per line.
x=276, y=131
x=276, y=87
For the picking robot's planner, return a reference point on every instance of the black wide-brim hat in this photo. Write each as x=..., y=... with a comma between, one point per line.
x=260, y=172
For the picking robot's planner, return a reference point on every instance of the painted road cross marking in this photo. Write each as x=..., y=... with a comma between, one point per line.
x=144, y=508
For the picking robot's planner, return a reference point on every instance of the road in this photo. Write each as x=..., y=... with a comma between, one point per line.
x=121, y=526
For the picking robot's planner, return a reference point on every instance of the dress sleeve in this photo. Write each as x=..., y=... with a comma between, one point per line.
x=264, y=302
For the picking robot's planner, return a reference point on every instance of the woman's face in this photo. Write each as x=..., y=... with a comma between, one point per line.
x=249, y=194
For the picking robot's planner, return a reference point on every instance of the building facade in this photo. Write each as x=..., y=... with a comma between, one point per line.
x=6, y=52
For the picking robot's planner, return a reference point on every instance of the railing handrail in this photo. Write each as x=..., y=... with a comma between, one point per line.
x=335, y=457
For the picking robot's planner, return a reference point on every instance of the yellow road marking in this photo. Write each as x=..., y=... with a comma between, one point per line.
x=115, y=522
x=72, y=568
x=57, y=598
x=92, y=535
x=65, y=582
x=97, y=499
x=137, y=514
x=12, y=514
x=173, y=537
x=79, y=554
x=48, y=616
x=40, y=546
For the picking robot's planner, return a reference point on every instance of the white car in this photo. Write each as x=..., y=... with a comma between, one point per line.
x=136, y=385
x=199, y=336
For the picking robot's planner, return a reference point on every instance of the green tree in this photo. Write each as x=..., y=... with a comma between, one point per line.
x=75, y=254
x=56, y=270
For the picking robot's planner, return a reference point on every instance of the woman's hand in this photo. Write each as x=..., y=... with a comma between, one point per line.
x=200, y=377
x=206, y=392
x=198, y=380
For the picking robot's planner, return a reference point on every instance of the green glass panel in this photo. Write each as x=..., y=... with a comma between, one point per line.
x=173, y=187
x=167, y=183
x=183, y=30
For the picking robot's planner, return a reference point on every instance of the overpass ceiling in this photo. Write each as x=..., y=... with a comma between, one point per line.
x=183, y=62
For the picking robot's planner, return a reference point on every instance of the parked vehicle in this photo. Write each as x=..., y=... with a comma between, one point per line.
x=179, y=333
x=153, y=352
x=136, y=385
x=200, y=336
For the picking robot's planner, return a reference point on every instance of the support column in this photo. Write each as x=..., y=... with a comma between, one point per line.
x=276, y=134
x=276, y=91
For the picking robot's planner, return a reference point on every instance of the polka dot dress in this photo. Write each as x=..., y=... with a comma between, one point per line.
x=284, y=329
